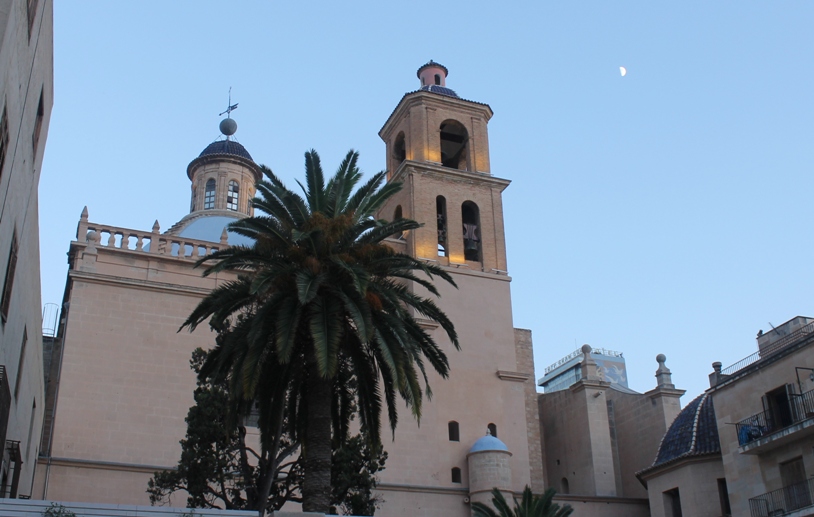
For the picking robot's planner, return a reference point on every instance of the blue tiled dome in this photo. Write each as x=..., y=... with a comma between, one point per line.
x=694, y=432
x=226, y=147
x=488, y=443
x=442, y=90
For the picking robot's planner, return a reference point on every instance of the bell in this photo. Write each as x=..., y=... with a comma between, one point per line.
x=470, y=245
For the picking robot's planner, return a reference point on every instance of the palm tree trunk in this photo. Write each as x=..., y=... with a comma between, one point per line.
x=316, y=485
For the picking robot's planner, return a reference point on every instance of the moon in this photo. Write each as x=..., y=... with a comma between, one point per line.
x=623, y=71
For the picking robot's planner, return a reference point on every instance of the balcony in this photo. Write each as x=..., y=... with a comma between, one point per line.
x=775, y=427
x=784, y=501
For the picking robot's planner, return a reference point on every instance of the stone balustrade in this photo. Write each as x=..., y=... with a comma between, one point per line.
x=113, y=237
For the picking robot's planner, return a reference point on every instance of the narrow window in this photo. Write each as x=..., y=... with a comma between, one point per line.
x=396, y=216
x=471, y=227
x=422, y=81
x=454, y=434
x=564, y=486
x=438, y=79
x=232, y=196
x=454, y=140
x=492, y=430
x=3, y=140
x=456, y=475
x=441, y=211
x=31, y=427
x=723, y=495
x=35, y=138
x=20, y=364
x=672, y=503
x=209, y=195
x=192, y=203
x=11, y=266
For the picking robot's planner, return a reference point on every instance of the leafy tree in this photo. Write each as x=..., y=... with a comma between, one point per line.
x=529, y=506
x=320, y=297
x=218, y=469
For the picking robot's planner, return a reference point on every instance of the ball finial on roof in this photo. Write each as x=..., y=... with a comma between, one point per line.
x=228, y=126
x=586, y=349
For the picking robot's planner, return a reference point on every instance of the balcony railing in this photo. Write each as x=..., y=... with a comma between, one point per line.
x=784, y=500
x=799, y=408
x=768, y=350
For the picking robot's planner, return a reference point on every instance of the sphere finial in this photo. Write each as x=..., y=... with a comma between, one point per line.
x=228, y=126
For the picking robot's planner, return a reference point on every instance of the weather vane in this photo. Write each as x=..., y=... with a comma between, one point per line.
x=231, y=108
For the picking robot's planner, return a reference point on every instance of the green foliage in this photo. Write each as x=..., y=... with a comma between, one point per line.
x=529, y=506
x=218, y=469
x=322, y=303
x=57, y=510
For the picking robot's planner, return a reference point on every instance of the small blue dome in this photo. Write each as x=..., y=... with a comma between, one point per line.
x=488, y=443
x=226, y=147
x=441, y=90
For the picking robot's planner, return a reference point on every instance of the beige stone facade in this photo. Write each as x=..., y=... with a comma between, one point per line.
x=26, y=97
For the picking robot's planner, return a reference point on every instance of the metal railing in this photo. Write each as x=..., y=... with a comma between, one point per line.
x=784, y=500
x=768, y=350
x=799, y=408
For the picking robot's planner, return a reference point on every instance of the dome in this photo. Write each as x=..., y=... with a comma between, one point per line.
x=441, y=90
x=488, y=443
x=209, y=228
x=694, y=432
x=229, y=147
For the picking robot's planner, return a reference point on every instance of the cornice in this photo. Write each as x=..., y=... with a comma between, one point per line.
x=151, y=285
x=433, y=100
x=436, y=170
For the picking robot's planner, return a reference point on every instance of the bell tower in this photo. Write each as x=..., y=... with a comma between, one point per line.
x=438, y=147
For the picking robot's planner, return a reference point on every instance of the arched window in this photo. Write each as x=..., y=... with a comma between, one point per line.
x=564, y=486
x=399, y=150
x=396, y=216
x=454, y=140
x=492, y=430
x=209, y=195
x=454, y=434
x=232, y=196
x=438, y=79
x=441, y=211
x=456, y=475
x=192, y=203
x=470, y=215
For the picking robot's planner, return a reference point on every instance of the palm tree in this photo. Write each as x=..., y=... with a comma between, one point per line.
x=321, y=311
x=529, y=506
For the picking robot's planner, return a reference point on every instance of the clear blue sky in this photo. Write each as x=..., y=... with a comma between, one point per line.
x=665, y=211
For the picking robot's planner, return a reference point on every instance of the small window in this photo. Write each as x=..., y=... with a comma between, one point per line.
x=20, y=364
x=564, y=486
x=471, y=229
x=397, y=214
x=441, y=211
x=454, y=434
x=209, y=195
x=456, y=475
x=11, y=266
x=672, y=503
x=492, y=430
x=232, y=196
x=192, y=203
x=438, y=79
x=723, y=495
x=3, y=140
x=35, y=138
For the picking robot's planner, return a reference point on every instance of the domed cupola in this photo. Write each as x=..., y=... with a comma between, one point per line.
x=223, y=175
x=489, y=462
x=694, y=432
x=433, y=78
x=223, y=180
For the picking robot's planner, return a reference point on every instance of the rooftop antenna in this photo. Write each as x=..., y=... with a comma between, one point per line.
x=228, y=126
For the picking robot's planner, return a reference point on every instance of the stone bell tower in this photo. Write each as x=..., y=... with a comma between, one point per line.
x=438, y=149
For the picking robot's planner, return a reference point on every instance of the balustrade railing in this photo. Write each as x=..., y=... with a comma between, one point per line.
x=768, y=350
x=783, y=500
x=799, y=408
x=114, y=237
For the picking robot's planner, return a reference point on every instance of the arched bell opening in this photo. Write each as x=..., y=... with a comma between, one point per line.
x=454, y=145
x=441, y=218
x=399, y=150
x=470, y=216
